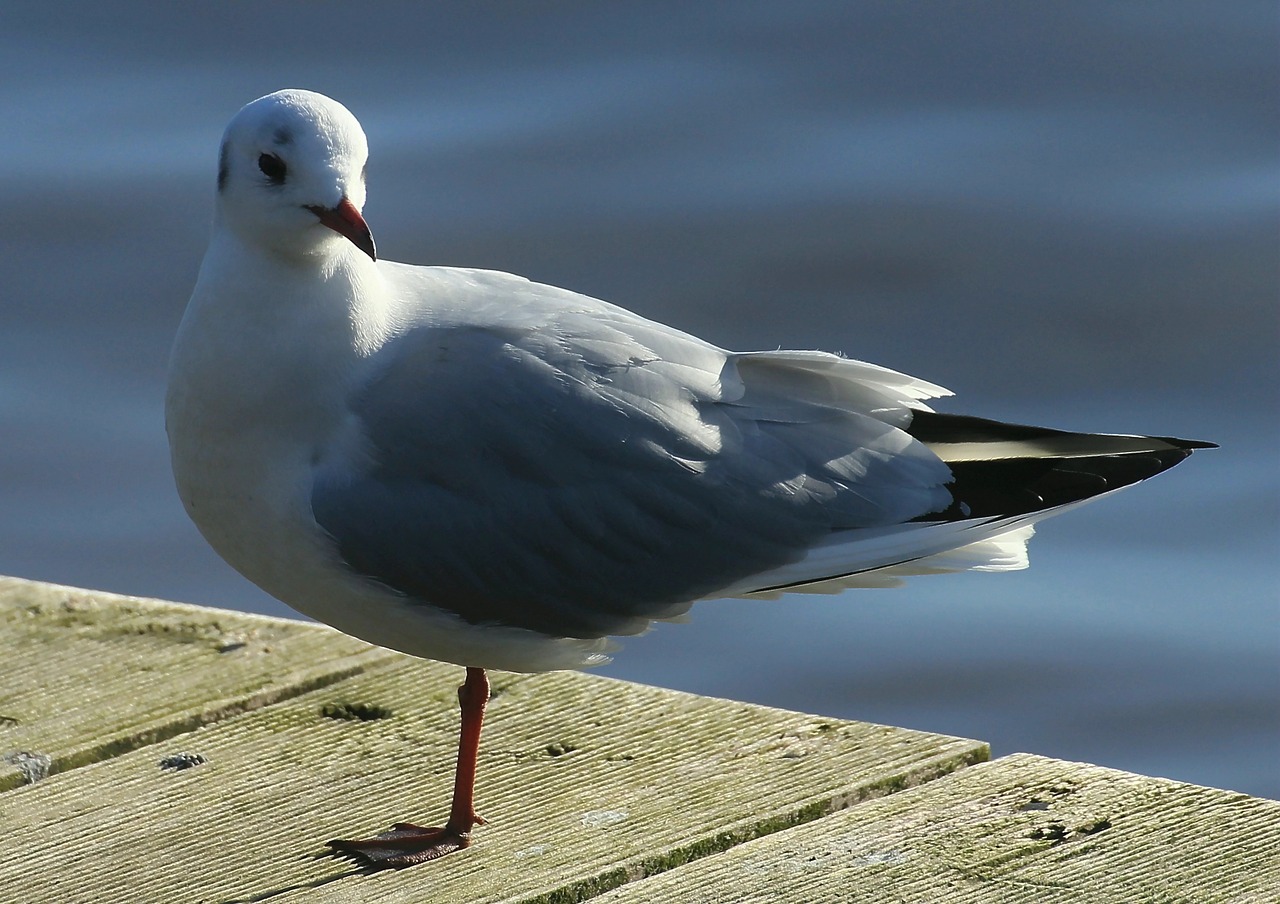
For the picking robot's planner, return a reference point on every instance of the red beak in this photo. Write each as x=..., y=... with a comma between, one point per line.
x=346, y=221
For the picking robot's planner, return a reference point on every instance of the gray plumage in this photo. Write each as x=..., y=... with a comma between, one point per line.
x=465, y=465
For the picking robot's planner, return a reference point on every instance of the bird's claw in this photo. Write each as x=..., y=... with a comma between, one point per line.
x=406, y=844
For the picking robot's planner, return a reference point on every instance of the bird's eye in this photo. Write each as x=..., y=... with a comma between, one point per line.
x=273, y=168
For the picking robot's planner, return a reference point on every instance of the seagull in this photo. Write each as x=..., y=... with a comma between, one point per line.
x=468, y=466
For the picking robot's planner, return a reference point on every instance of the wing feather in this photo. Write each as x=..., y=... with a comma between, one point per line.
x=584, y=471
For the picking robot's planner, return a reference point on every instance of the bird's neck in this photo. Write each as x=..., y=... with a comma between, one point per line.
x=259, y=381
x=261, y=330
x=332, y=294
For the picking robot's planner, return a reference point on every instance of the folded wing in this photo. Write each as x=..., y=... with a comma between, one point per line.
x=574, y=469
x=597, y=471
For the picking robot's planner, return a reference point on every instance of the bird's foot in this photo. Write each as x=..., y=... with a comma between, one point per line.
x=405, y=844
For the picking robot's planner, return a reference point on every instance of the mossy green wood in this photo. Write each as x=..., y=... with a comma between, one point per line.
x=86, y=675
x=586, y=783
x=1018, y=829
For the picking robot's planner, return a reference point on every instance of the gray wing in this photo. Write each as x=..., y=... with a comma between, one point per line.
x=585, y=475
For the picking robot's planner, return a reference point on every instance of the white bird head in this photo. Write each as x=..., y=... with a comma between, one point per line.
x=291, y=175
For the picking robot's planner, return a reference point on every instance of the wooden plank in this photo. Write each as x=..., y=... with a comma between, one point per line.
x=1019, y=829
x=586, y=783
x=88, y=675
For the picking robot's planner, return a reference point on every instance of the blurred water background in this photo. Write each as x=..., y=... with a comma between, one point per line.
x=1067, y=213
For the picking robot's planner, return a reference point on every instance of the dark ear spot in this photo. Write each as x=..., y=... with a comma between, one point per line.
x=282, y=137
x=222, y=166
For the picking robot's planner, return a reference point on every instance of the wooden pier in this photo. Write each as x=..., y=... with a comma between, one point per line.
x=164, y=753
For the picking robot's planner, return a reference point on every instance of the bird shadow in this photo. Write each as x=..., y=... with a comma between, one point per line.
x=352, y=870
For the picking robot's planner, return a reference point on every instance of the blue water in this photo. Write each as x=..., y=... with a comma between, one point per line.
x=1068, y=213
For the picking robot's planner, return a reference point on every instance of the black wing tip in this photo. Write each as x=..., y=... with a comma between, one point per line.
x=1003, y=487
x=941, y=427
x=1188, y=444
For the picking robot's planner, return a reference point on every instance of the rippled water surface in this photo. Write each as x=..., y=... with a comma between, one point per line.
x=1065, y=212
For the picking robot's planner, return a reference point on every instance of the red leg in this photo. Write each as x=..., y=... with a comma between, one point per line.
x=406, y=843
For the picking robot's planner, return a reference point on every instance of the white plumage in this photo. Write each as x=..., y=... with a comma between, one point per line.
x=469, y=466
x=465, y=465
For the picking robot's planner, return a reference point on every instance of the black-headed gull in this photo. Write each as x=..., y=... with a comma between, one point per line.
x=468, y=466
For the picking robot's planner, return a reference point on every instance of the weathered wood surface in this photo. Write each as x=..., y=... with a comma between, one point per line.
x=299, y=734
x=86, y=676
x=1018, y=829
x=306, y=735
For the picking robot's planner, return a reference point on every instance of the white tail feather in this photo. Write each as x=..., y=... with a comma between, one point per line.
x=1003, y=552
